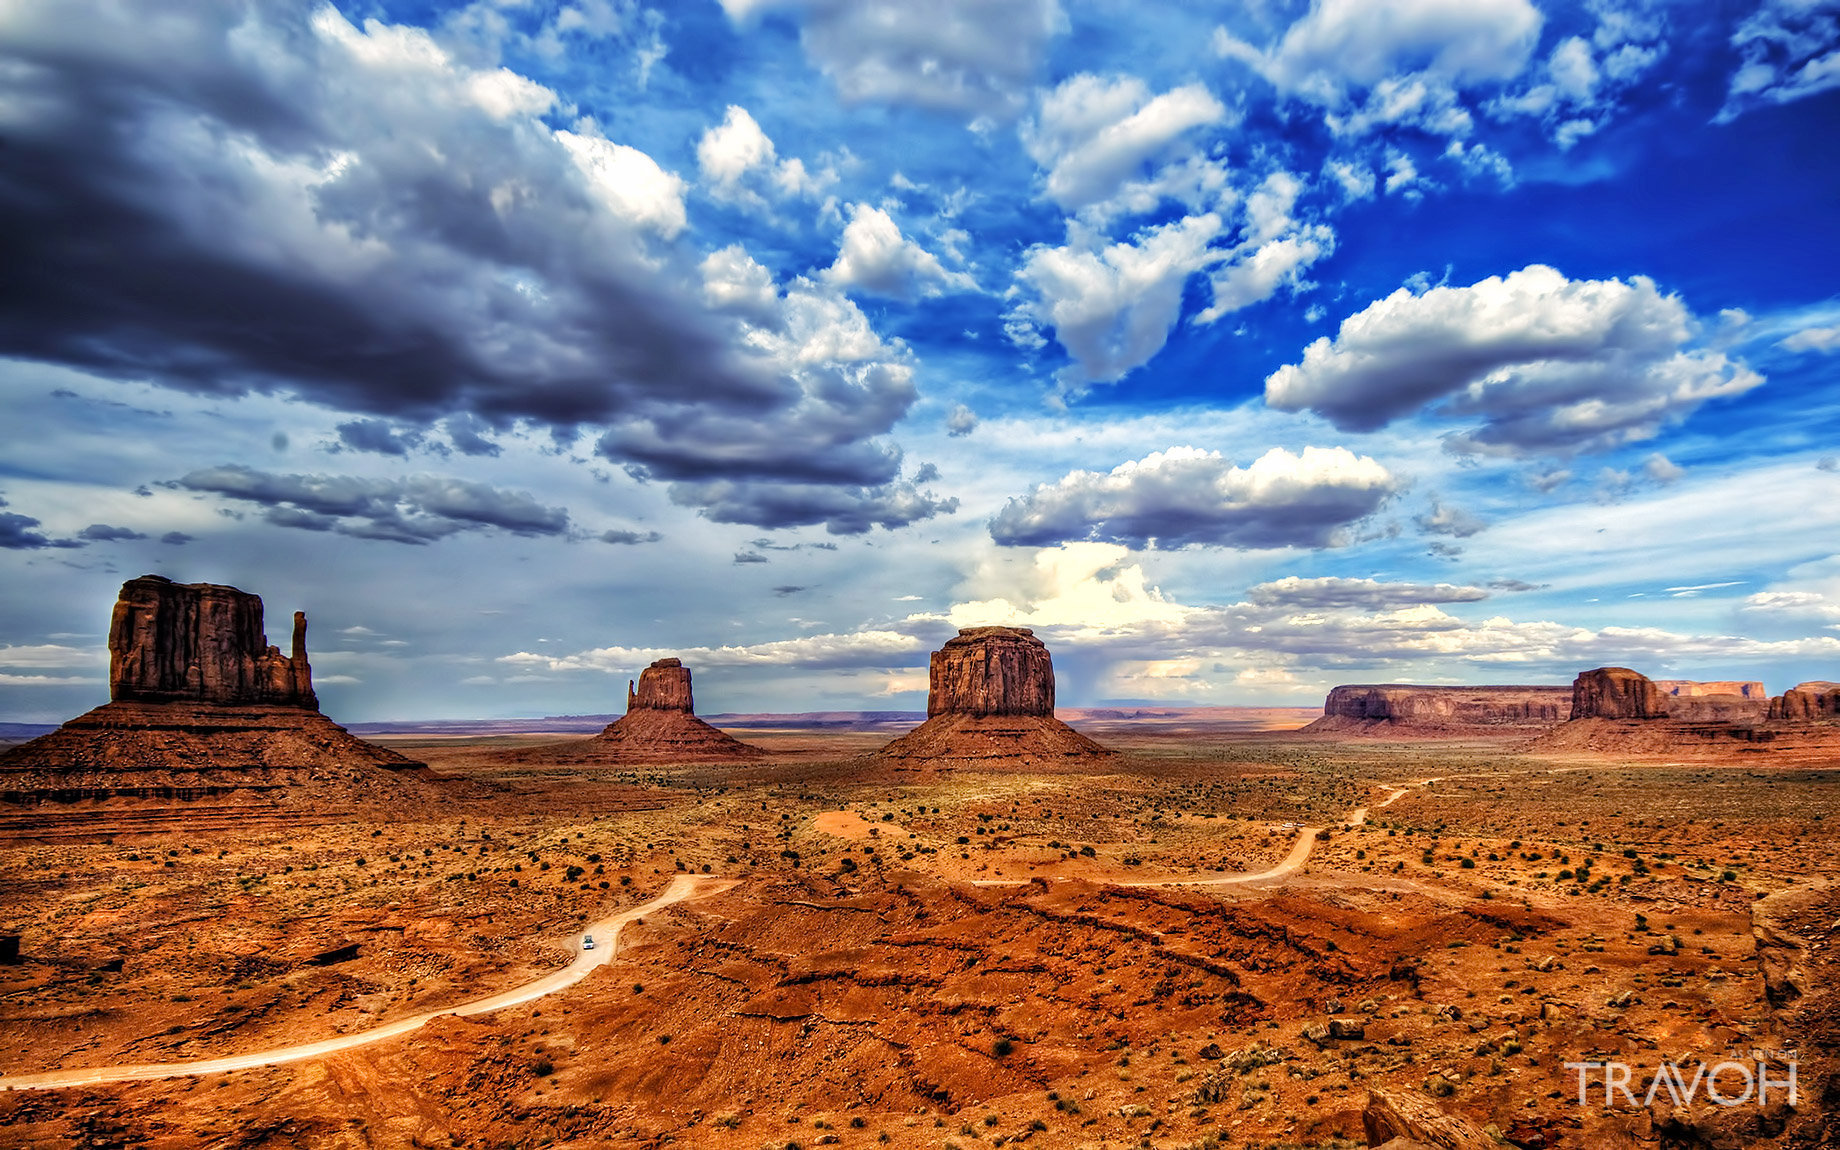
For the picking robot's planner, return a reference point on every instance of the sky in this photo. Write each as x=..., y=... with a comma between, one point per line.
x=1240, y=350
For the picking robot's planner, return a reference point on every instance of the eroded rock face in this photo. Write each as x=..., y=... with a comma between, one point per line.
x=1689, y=689
x=1617, y=693
x=663, y=686
x=991, y=671
x=202, y=643
x=1811, y=702
x=1409, y=705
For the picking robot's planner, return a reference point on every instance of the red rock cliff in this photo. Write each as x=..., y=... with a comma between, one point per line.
x=1411, y=705
x=1617, y=693
x=1807, y=703
x=663, y=686
x=1689, y=689
x=991, y=671
x=202, y=643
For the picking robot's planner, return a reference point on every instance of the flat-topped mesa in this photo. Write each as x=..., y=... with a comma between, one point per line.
x=1620, y=693
x=991, y=671
x=1410, y=705
x=1689, y=689
x=202, y=643
x=1811, y=702
x=663, y=686
x=1617, y=693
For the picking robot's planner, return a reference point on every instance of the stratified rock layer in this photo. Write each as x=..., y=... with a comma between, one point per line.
x=990, y=702
x=991, y=671
x=1690, y=689
x=1616, y=693
x=1813, y=702
x=202, y=706
x=658, y=727
x=202, y=643
x=1357, y=708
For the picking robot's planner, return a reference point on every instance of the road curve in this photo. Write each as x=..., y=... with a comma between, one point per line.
x=607, y=932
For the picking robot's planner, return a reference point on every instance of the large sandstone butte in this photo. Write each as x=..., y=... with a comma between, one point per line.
x=200, y=705
x=660, y=726
x=990, y=702
x=1812, y=702
x=1620, y=693
x=1387, y=707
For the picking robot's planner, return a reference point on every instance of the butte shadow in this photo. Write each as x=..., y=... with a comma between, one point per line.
x=660, y=726
x=201, y=706
x=990, y=705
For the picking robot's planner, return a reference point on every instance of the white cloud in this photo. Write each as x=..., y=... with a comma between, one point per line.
x=629, y=182
x=874, y=257
x=859, y=649
x=1581, y=84
x=1546, y=363
x=1096, y=137
x=738, y=161
x=1410, y=58
x=51, y=656
x=1185, y=496
x=1112, y=306
x=1445, y=519
x=1819, y=339
x=967, y=56
x=1661, y=469
x=961, y=420
x=1790, y=50
x=1372, y=594
x=1274, y=252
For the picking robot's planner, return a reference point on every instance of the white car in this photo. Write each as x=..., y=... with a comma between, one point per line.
x=587, y=942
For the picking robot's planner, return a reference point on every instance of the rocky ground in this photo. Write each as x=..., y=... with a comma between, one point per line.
x=932, y=958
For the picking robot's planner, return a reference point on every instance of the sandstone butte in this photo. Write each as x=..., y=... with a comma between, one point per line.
x=990, y=702
x=659, y=726
x=1359, y=708
x=200, y=705
x=1620, y=693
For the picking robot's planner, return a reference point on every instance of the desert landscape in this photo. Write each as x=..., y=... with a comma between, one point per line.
x=1389, y=923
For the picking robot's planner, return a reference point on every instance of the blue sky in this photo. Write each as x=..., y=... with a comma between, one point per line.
x=1240, y=350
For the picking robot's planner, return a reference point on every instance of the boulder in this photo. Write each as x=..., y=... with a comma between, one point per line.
x=1617, y=693
x=1394, y=1114
x=202, y=643
x=990, y=701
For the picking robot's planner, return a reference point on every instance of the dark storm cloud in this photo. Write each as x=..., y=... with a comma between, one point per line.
x=1186, y=497
x=244, y=196
x=414, y=509
x=378, y=436
x=175, y=538
x=103, y=533
x=750, y=557
x=20, y=533
x=841, y=510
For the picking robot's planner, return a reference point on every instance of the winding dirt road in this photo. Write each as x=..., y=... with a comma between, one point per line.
x=606, y=932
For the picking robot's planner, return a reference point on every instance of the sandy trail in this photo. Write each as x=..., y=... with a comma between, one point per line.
x=606, y=932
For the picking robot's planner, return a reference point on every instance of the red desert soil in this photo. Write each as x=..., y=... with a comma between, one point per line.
x=858, y=985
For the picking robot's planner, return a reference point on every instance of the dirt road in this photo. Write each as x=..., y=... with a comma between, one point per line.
x=606, y=934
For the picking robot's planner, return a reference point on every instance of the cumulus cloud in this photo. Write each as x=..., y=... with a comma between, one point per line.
x=103, y=533
x=1102, y=140
x=875, y=258
x=615, y=535
x=960, y=421
x=739, y=162
x=1188, y=497
x=21, y=533
x=1367, y=594
x=415, y=509
x=1405, y=62
x=378, y=436
x=231, y=220
x=1581, y=84
x=1112, y=306
x=1789, y=50
x=1273, y=253
x=966, y=56
x=1547, y=364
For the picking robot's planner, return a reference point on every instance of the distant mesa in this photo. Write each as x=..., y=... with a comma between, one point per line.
x=1403, y=708
x=1620, y=693
x=1619, y=709
x=990, y=702
x=201, y=705
x=1812, y=702
x=660, y=726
